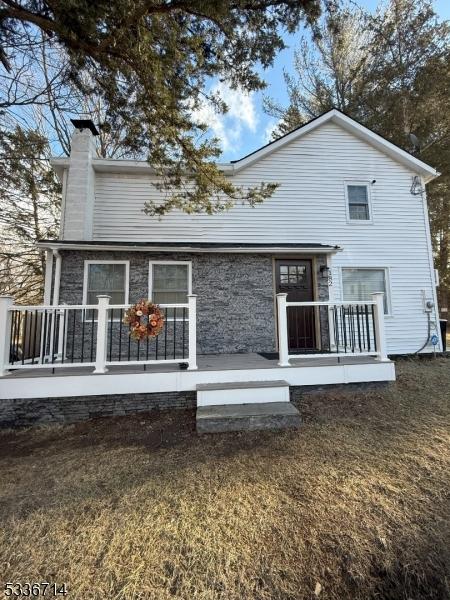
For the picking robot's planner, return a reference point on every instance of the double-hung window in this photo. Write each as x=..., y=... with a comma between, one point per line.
x=106, y=277
x=358, y=284
x=170, y=282
x=358, y=202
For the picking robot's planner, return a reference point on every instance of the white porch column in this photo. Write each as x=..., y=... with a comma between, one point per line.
x=57, y=283
x=5, y=332
x=283, y=347
x=192, y=362
x=380, y=333
x=48, y=277
x=102, y=334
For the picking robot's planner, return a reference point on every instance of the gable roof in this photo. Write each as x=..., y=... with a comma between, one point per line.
x=353, y=127
x=332, y=116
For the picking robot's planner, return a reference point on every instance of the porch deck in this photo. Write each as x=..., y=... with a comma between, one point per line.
x=168, y=377
x=205, y=362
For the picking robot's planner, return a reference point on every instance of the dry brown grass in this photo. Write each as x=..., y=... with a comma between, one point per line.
x=357, y=501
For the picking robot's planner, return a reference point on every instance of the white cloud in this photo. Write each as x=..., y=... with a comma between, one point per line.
x=268, y=131
x=230, y=127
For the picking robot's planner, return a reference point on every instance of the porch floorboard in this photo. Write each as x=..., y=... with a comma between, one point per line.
x=205, y=362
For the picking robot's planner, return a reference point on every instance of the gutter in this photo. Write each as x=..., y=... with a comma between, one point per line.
x=192, y=249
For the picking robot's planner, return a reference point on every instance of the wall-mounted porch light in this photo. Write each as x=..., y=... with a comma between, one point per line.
x=325, y=271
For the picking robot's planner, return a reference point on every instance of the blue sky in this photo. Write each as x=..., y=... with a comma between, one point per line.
x=246, y=127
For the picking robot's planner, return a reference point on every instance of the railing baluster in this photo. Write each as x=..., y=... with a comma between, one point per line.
x=44, y=336
x=82, y=334
x=359, y=330
x=24, y=329
x=92, y=336
x=12, y=317
x=184, y=333
x=174, y=332
x=367, y=326
x=120, y=334
x=65, y=323
x=73, y=335
x=165, y=338
x=344, y=329
x=336, y=328
x=129, y=347
x=373, y=329
x=55, y=335
x=111, y=319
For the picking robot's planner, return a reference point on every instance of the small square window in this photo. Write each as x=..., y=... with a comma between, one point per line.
x=358, y=202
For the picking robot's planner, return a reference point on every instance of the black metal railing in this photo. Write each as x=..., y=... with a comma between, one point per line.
x=170, y=344
x=49, y=336
x=327, y=328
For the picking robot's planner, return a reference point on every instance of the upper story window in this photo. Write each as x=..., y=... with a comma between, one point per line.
x=106, y=277
x=358, y=202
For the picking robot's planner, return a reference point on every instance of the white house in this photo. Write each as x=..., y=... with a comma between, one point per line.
x=318, y=285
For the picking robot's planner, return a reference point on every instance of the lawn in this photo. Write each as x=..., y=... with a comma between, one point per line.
x=354, y=505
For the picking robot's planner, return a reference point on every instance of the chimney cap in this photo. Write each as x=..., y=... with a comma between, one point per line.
x=85, y=124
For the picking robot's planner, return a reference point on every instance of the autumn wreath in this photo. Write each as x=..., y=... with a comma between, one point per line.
x=144, y=319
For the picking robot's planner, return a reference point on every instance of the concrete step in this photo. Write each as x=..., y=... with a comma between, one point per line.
x=242, y=392
x=247, y=417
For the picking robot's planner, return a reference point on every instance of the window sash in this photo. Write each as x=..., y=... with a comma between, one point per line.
x=170, y=284
x=106, y=278
x=358, y=284
x=358, y=202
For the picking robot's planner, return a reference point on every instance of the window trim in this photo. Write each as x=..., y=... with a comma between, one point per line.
x=87, y=263
x=368, y=186
x=387, y=282
x=168, y=262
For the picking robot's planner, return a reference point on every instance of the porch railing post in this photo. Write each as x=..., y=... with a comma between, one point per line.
x=192, y=362
x=283, y=348
x=102, y=334
x=6, y=302
x=380, y=333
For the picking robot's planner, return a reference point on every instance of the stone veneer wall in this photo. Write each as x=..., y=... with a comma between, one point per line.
x=24, y=412
x=235, y=294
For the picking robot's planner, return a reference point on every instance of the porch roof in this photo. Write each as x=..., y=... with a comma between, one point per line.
x=278, y=248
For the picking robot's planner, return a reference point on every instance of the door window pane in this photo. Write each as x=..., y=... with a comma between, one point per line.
x=359, y=284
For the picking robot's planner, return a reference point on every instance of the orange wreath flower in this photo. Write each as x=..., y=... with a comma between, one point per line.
x=144, y=319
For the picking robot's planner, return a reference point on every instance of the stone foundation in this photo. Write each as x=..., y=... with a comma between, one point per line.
x=23, y=412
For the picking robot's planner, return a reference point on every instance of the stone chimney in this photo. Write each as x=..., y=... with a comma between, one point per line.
x=78, y=209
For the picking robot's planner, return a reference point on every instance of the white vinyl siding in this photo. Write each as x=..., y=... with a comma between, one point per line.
x=308, y=207
x=360, y=284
